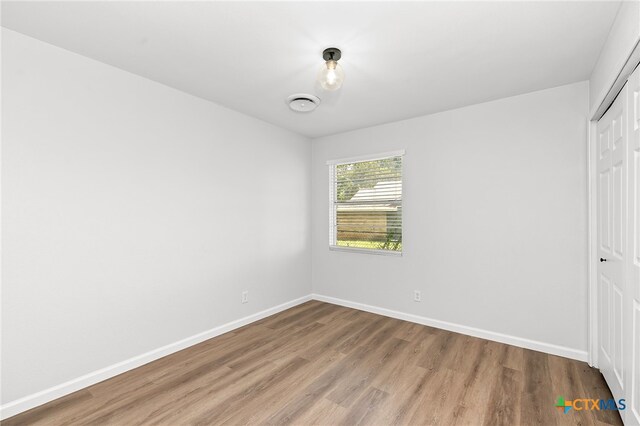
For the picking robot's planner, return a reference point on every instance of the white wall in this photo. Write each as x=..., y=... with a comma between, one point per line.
x=495, y=218
x=134, y=215
x=622, y=38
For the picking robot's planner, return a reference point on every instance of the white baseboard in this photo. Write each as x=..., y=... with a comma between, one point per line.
x=31, y=401
x=462, y=329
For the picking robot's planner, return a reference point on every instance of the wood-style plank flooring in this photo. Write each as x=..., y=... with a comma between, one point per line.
x=319, y=363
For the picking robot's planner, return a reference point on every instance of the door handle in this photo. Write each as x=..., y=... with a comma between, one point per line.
x=602, y=259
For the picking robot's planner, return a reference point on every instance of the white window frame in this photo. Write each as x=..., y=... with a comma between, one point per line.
x=333, y=237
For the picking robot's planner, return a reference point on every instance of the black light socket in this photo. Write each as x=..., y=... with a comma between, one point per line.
x=332, y=54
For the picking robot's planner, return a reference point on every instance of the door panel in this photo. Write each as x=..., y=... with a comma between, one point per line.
x=605, y=318
x=618, y=210
x=604, y=196
x=612, y=240
x=617, y=313
x=605, y=205
x=604, y=141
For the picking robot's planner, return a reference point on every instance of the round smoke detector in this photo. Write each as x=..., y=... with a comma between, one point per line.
x=303, y=102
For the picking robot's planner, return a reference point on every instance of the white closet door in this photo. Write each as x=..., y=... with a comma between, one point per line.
x=612, y=244
x=632, y=414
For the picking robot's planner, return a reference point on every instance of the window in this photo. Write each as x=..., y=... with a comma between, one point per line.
x=366, y=204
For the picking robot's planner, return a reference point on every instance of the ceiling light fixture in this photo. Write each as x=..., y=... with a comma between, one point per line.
x=331, y=75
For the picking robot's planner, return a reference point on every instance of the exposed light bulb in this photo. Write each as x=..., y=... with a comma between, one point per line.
x=331, y=75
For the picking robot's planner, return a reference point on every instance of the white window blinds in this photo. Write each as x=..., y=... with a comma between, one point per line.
x=366, y=204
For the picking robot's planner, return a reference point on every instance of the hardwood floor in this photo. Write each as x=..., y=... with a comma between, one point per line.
x=319, y=363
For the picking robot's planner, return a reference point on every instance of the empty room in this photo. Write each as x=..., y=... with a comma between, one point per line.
x=320, y=213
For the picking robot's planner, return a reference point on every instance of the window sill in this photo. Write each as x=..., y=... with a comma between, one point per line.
x=366, y=251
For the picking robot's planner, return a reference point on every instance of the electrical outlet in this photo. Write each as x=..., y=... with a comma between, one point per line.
x=245, y=297
x=417, y=296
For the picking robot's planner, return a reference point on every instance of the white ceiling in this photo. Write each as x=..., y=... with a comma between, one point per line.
x=401, y=59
